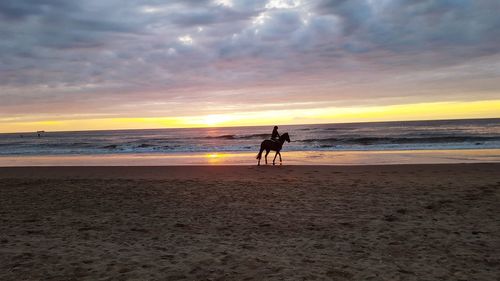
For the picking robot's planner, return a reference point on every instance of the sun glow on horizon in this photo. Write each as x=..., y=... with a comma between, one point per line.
x=402, y=112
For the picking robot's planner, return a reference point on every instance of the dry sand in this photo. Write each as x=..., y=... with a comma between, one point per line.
x=406, y=222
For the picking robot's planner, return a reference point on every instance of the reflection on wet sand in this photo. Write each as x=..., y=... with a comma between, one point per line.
x=248, y=158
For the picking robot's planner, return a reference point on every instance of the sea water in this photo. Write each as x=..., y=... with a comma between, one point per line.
x=379, y=136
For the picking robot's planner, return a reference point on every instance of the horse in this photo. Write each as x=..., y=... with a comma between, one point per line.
x=269, y=145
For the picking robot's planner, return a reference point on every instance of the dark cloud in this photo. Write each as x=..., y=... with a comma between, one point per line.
x=107, y=55
x=19, y=10
x=209, y=15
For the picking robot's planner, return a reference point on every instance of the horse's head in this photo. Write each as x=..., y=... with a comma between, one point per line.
x=286, y=137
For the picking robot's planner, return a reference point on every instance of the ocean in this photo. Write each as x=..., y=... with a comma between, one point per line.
x=378, y=136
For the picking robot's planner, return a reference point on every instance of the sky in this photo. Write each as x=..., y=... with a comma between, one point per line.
x=116, y=64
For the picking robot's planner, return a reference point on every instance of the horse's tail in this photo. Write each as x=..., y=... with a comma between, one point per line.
x=259, y=155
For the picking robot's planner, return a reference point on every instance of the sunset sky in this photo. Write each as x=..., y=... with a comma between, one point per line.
x=115, y=64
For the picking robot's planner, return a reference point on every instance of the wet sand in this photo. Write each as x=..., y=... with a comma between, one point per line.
x=401, y=222
x=315, y=158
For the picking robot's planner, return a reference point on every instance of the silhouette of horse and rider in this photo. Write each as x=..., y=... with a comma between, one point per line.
x=275, y=143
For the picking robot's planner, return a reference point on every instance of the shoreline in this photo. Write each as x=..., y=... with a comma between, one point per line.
x=248, y=158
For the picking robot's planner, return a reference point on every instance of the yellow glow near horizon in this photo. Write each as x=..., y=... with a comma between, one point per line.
x=214, y=119
x=419, y=111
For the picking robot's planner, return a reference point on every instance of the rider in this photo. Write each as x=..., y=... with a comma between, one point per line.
x=275, y=135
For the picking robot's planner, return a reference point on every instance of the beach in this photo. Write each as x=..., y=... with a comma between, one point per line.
x=382, y=222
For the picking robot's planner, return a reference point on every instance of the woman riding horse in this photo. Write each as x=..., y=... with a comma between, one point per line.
x=269, y=145
x=275, y=135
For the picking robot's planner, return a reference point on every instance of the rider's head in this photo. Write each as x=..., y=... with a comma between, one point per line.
x=276, y=127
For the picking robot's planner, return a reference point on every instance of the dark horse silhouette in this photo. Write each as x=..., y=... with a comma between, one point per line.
x=269, y=145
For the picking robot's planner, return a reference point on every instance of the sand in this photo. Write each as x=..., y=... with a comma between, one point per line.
x=404, y=222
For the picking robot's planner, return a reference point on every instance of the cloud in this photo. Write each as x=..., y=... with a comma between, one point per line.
x=105, y=56
x=418, y=26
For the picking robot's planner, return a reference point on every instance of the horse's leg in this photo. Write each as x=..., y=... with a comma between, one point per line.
x=274, y=160
x=267, y=152
x=279, y=153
